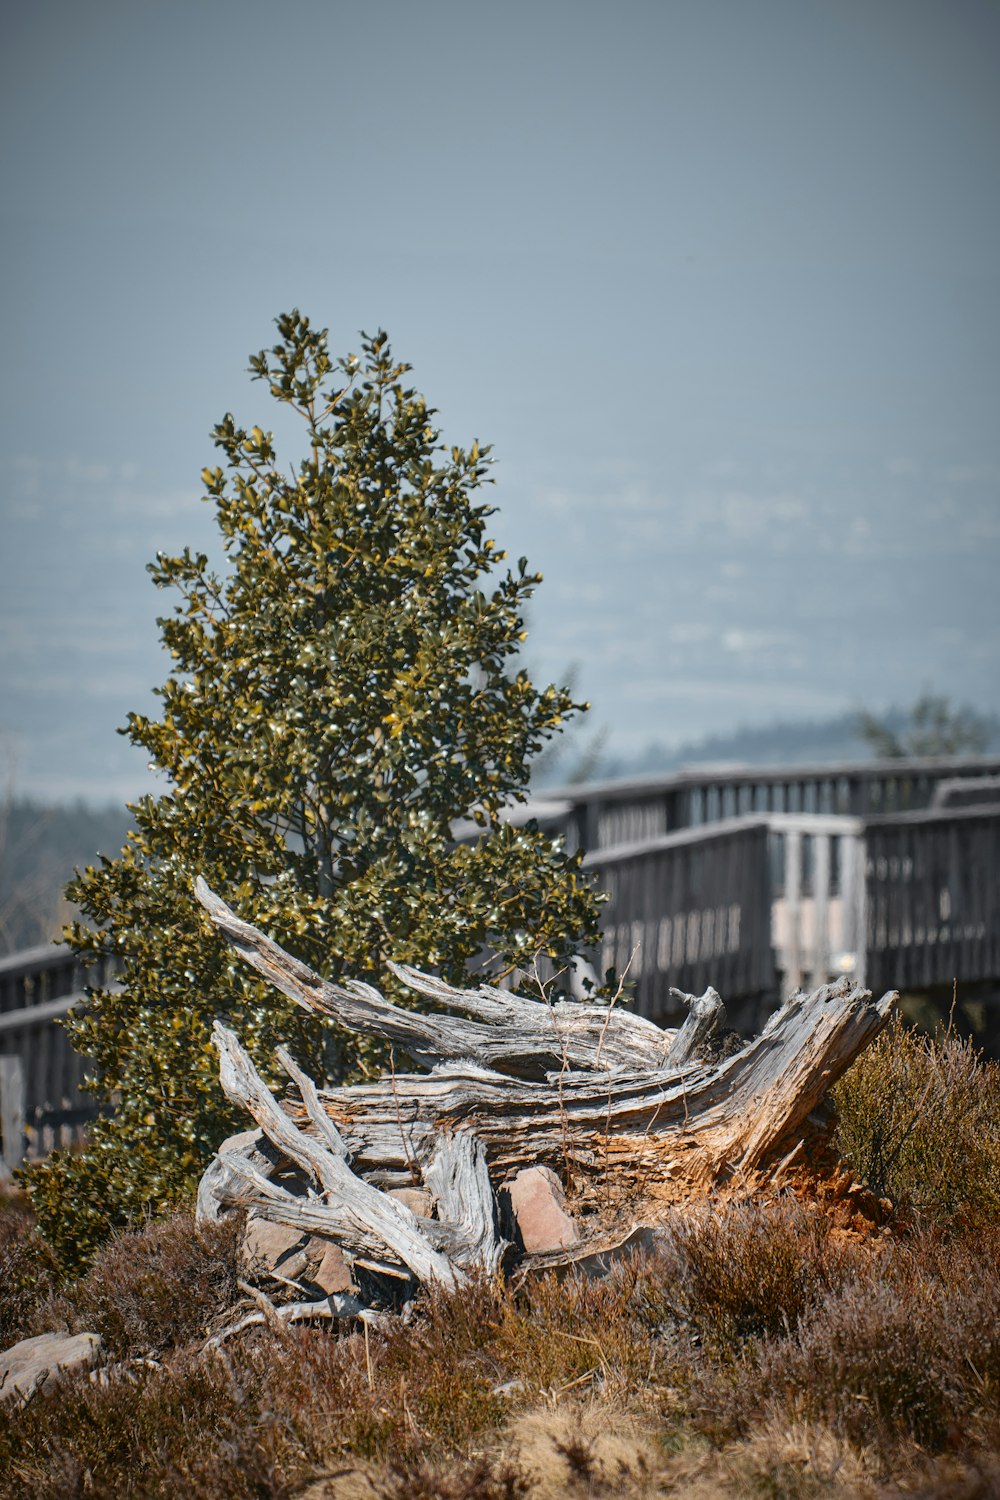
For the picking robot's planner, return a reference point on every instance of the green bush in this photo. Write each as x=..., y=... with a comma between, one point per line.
x=344, y=691
x=919, y=1121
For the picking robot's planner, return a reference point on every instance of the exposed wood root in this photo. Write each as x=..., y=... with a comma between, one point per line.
x=602, y=1096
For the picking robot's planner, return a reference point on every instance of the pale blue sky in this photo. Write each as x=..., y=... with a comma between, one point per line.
x=719, y=280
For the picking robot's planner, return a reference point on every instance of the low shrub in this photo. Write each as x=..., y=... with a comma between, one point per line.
x=152, y=1290
x=752, y=1271
x=29, y=1275
x=479, y=1480
x=195, y=1428
x=908, y=1353
x=754, y=1322
x=917, y=1358
x=919, y=1121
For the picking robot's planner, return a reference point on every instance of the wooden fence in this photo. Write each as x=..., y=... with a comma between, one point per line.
x=760, y=907
x=686, y=911
x=932, y=894
x=605, y=814
x=42, y=1102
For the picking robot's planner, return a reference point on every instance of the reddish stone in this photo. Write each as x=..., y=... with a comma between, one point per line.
x=333, y=1274
x=417, y=1200
x=536, y=1200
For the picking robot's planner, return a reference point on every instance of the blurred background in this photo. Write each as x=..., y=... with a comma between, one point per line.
x=719, y=283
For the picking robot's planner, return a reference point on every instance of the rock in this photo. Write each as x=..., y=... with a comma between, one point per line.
x=38, y=1363
x=290, y=1255
x=536, y=1200
x=273, y=1245
x=418, y=1200
x=333, y=1274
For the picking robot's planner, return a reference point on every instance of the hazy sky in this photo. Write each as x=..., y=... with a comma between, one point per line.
x=720, y=281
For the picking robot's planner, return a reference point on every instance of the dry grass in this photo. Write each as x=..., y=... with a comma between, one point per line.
x=28, y=1271
x=836, y=1370
x=920, y=1123
x=762, y=1351
x=154, y=1290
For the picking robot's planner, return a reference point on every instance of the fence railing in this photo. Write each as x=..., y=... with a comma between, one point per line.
x=758, y=906
x=932, y=891
x=605, y=814
x=42, y=1101
x=688, y=910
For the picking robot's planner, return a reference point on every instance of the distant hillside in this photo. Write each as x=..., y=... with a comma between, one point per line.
x=39, y=848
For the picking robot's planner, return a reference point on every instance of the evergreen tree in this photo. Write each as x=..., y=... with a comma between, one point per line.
x=341, y=693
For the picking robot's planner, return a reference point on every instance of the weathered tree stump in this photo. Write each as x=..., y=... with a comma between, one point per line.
x=604, y=1097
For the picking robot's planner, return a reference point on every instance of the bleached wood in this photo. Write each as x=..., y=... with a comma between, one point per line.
x=458, y=1176
x=336, y=1305
x=706, y=1014
x=731, y=1111
x=366, y=1217
x=219, y=1187
x=519, y=1035
x=328, y=1133
x=466, y=1125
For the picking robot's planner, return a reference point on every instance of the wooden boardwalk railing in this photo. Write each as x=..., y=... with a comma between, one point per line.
x=932, y=893
x=904, y=902
x=688, y=910
x=843, y=842
x=42, y=1102
x=599, y=815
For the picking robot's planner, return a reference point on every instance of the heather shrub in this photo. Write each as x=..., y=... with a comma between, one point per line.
x=155, y=1289
x=269, y=1412
x=907, y=1353
x=194, y=1429
x=753, y=1270
x=919, y=1121
x=792, y=1349
x=478, y=1480
x=28, y=1270
x=916, y=1357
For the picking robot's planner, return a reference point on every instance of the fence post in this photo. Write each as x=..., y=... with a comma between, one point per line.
x=793, y=897
x=821, y=906
x=11, y=1112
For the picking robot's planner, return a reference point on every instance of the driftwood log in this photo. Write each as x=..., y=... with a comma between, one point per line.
x=598, y=1094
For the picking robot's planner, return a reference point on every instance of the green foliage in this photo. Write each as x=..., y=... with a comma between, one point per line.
x=343, y=692
x=920, y=1123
